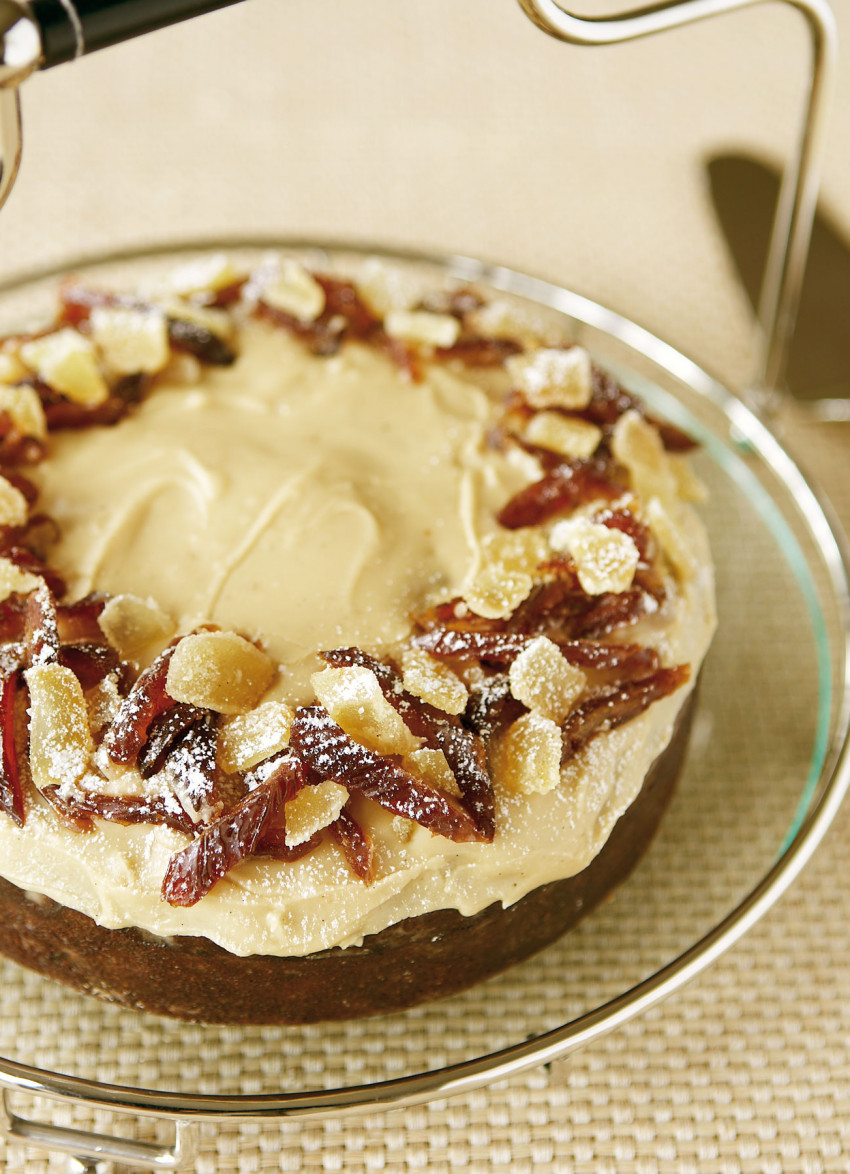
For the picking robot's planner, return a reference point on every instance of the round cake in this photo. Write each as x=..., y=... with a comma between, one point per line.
x=349, y=637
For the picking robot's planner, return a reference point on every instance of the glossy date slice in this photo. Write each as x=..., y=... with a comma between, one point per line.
x=236, y=836
x=11, y=786
x=564, y=487
x=619, y=705
x=356, y=845
x=145, y=702
x=329, y=752
x=80, y=811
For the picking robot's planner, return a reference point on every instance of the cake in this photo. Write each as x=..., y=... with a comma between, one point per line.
x=349, y=635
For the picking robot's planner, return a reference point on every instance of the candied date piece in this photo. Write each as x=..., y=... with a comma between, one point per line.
x=162, y=734
x=201, y=342
x=21, y=483
x=78, y=622
x=145, y=702
x=37, y=535
x=234, y=837
x=89, y=662
x=356, y=845
x=564, y=487
x=79, y=811
x=65, y=416
x=619, y=705
x=463, y=750
x=192, y=760
x=41, y=629
x=476, y=350
x=329, y=752
x=11, y=786
x=489, y=647
x=492, y=706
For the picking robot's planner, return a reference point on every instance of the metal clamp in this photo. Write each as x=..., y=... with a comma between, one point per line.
x=91, y=1153
x=795, y=211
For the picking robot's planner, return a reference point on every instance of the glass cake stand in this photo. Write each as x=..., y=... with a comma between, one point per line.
x=766, y=770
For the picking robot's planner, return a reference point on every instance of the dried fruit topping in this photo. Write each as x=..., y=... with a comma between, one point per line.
x=79, y=809
x=463, y=749
x=253, y=737
x=132, y=624
x=553, y=378
x=89, y=662
x=330, y=753
x=529, y=755
x=605, y=557
x=489, y=647
x=11, y=786
x=612, y=709
x=191, y=765
x=162, y=735
x=356, y=844
x=234, y=837
x=544, y=681
x=145, y=702
x=60, y=741
x=220, y=671
x=313, y=809
x=41, y=630
x=196, y=339
x=563, y=488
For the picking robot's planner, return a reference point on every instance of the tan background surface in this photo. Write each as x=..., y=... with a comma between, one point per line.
x=454, y=124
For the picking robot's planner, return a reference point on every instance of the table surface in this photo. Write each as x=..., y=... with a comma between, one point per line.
x=461, y=127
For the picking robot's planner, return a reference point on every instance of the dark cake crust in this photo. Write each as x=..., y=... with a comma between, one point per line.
x=415, y=961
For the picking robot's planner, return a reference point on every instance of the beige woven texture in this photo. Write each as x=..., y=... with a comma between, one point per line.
x=454, y=124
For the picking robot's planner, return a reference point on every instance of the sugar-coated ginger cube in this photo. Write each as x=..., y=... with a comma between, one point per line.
x=250, y=738
x=220, y=671
x=606, y=559
x=60, y=742
x=353, y=698
x=312, y=809
x=432, y=681
x=132, y=625
x=545, y=681
x=67, y=362
x=529, y=757
x=553, y=378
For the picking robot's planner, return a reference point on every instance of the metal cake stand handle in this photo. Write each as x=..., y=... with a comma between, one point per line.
x=789, y=243
x=26, y=46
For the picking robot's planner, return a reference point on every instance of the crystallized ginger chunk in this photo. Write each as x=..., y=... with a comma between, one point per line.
x=530, y=755
x=131, y=340
x=60, y=743
x=250, y=738
x=13, y=505
x=131, y=624
x=353, y=698
x=672, y=541
x=13, y=579
x=219, y=671
x=545, y=681
x=312, y=809
x=24, y=409
x=571, y=438
x=637, y=445
x=432, y=766
x=422, y=326
x=553, y=378
x=67, y=362
x=605, y=559
x=295, y=291
x=496, y=592
x=432, y=681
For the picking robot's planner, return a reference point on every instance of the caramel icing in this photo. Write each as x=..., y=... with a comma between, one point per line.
x=248, y=502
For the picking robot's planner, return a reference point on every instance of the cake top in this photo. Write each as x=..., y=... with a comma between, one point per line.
x=293, y=567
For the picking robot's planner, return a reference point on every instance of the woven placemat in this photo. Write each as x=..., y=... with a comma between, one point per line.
x=459, y=126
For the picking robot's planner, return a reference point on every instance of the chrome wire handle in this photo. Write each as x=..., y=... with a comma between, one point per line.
x=795, y=210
